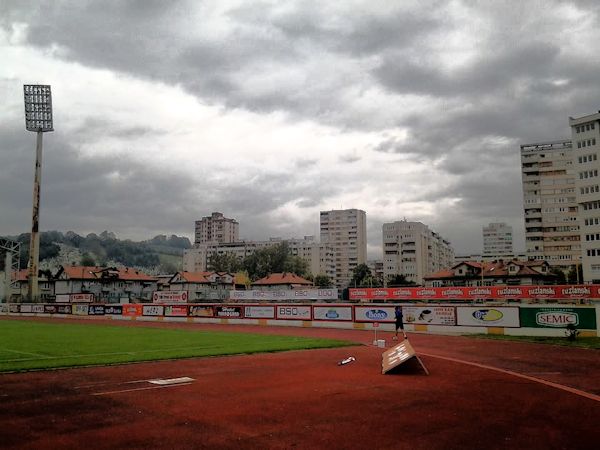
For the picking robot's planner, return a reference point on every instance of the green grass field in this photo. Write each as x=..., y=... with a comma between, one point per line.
x=583, y=342
x=36, y=345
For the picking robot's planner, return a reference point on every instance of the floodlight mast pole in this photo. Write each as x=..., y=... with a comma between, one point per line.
x=38, y=118
x=34, y=243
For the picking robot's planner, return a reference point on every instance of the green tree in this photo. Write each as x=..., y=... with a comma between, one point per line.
x=399, y=280
x=559, y=274
x=361, y=276
x=224, y=262
x=322, y=281
x=87, y=260
x=572, y=276
x=273, y=259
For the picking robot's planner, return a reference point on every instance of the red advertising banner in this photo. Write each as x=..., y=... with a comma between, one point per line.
x=477, y=292
x=132, y=310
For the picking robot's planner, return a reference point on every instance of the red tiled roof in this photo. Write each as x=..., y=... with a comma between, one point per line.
x=195, y=277
x=283, y=278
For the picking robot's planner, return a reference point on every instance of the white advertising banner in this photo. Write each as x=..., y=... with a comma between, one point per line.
x=259, y=312
x=81, y=298
x=287, y=294
x=429, y=315
x=63, y=298
x=374, y=314
x=488, y=316
x=170, y=296
x=152, y=310
x=332, y=313
x=294, y=312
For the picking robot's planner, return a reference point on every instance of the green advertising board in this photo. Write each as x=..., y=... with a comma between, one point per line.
x=558, y=317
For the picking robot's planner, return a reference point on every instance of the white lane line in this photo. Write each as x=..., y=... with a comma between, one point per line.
x=164, y=382
x=21, y=352
x=520, y=375
x=140, y=389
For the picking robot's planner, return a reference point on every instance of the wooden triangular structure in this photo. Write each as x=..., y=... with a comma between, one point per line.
x=401, y=354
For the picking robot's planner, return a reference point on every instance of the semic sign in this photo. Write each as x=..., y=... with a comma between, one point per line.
x=38, y=107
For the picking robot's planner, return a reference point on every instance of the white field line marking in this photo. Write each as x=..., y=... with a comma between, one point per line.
x=88, y=355
x=140, y=389
x=117, y=383
x=19, y=351
x=165, y=382
x=520, y=375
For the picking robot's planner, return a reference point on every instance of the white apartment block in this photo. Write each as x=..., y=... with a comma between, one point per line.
x=413, y=250
x=549, y=200
x=498, y=241
x=319, y=257
x=216, y=228
x=585, y=133
x=345, y=232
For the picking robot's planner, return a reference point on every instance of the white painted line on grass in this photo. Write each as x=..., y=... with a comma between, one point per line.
x=19, y=351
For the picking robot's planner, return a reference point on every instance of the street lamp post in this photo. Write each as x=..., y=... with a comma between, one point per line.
x=38, y=118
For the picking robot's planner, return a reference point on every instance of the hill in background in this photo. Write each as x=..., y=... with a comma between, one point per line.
x=159, y=255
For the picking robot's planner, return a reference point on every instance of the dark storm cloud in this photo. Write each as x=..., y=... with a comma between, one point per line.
x=519, y=85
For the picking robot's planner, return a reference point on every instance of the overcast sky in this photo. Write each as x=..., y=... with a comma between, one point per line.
x=272, y=111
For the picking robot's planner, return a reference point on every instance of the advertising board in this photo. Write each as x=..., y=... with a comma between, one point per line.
x=50, y=309
x=176, y=310
x=115, y=310
x=487, y=316
x=284, y=294
x=229, y=311
x=63, y=298
x=132, y=310
x=374, y=314
x=429, y=315
x=152, y=310
x=259, y=312
x=96, y=310
x=332, y=313
x=289, y=312
x=14, y=308
x=81, y=298
x=80, y=310
x=37, y=309
x=558, y=317
x=477, y=293
x=26, y=308
x=63, y=309
x=201, y=311
x=170, y=296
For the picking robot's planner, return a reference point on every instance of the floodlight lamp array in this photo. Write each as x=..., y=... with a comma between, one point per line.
x=38, y=107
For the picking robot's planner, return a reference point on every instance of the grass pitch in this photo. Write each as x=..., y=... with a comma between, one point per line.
x=28, y=345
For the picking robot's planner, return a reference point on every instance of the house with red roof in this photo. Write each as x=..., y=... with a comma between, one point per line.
x=107, y=284
x=45, y=286
x=204, y=286
x=281, y=281
x=476, y=273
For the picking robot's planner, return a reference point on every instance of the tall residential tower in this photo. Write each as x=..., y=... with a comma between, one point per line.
x=413, y=250
x=550, y=204
x=345, y=232
x=216, y=228
x=585, y=132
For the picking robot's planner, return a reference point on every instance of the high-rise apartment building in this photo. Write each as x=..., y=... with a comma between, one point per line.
x=345, y=232
x=498, y=241
x=550, y=203
x=413, y=250
x=216, y=228
x=585, y=133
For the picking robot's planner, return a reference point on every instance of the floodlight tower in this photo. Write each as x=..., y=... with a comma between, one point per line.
x=38, y=118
